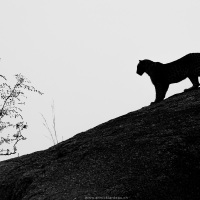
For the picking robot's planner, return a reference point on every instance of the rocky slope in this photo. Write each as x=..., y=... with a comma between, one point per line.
x=152, y=153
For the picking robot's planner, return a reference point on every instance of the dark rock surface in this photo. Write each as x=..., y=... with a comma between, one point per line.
x=152, y=153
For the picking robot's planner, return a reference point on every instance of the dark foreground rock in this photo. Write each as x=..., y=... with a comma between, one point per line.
x=152, y=153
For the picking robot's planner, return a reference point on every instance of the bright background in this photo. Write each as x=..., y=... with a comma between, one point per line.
x=84, y=54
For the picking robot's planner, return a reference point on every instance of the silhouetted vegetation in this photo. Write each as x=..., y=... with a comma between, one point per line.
x=11, y=117
x=52, y=130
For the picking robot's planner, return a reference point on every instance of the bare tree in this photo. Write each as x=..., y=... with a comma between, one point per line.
x=12, y=100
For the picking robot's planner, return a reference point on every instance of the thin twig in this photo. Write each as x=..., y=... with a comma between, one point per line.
x=1, y=112
x=54, y=122
x=46, y=125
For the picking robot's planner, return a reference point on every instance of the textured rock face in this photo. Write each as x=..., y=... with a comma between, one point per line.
x=152, y=153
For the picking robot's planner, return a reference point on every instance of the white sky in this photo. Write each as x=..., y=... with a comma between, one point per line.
x=83, y=55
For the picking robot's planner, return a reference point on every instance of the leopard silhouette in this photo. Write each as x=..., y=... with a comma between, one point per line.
x=162, y=75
